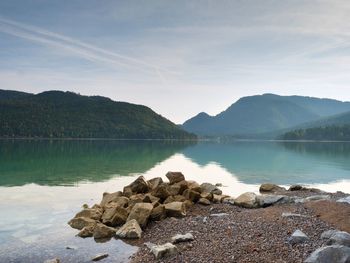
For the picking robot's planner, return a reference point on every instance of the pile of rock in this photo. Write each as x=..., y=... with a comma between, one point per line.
x=141, y=201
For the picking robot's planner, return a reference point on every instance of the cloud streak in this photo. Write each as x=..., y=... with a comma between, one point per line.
x=83, y=50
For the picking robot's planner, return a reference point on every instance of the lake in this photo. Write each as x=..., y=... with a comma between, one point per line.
x=44, y=183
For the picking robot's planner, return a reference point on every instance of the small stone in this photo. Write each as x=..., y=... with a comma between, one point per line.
x=328, y=254
x=130, y=230
x=72, y=247
x=317, y=198
x=54, y=260
x=219, y=215
x=298, y=237
x=218, y=184
x=99, y=257
x=288, y=214
x=163, y=251
x=182, y=238
x=270, y=188
x=203, y=201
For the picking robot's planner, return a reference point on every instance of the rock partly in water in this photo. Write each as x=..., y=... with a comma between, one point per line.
x=270, y=188
x=175, y=177
x=247, y=200
x=81, y=222
x=330, y=254
x=130, y=230
x=87, y=231
x=102, y=231
x=182, y=238
x=175, y=209
x=298, y=237
x=141, y=212
x=163, y=251
x=99, y=257
x=54, y=260
x=94, y=214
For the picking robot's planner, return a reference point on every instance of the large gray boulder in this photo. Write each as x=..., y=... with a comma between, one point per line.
x=330, y=254
x=247, y=200
x=141, y=212
x=268, y=200
x=335, y=237
x=163, y=251
x=130, y=230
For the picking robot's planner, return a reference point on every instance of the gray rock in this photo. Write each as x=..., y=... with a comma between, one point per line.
x=288, y=214
x=205, y=219
x=344, y=200
x=330, y=254
x=210, y=188
x=99, y=257
x=163, y=251
x=317, y=198
x=298, y=237
x=335, y=237
x=182, y=238
x=268, y=200
x=130, y=230
x=219, y=215
x=81, y=222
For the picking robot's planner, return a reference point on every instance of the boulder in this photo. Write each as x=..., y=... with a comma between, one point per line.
x=175, y=177
x=179, y=198
x=120, y=216
x=298, y=237
x=203, y=201
x=247, y=200
x=182, y=238
x=210, y=188
x=175, y=209
x=161, y=191
x=130, y=230
x=163, y=251
x=141, y=212
x=127, y=192
x=295, y=187
x=107, y=197
x=109, y=212
x=140, y=185
x=338, y=238
x=180, y=187
x=328, y=233
x=81, y=222
x=270, y=188
x=174, y=189
x=207, y=195
x=158, y=213
x=344, y=200
x=328, y=254
x=155, y=182
x=135, y=199
x=103, y=231
x=193, y=185
x=268, y=200
x=191, y=195
x=94, y=214
x=87, y=231
x=149, y=198
x=228, y=200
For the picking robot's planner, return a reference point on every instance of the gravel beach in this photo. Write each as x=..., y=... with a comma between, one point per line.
x=246, y=235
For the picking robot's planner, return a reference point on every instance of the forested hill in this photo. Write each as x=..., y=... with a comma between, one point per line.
x=326, y=133
x=57, y=114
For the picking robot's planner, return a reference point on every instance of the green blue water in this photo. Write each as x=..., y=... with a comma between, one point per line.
x=44, y=183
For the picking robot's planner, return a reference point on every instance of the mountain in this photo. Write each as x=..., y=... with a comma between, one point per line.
x=57, y=114
x=330, y=128
x=263, y=114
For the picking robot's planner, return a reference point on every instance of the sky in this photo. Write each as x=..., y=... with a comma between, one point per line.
x=177, y=57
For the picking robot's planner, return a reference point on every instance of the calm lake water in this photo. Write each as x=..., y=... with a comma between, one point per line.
x=44, y=183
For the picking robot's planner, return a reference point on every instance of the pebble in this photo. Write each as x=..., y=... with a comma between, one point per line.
x=99, y=257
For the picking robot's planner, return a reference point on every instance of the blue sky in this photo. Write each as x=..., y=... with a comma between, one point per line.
x=177, y=57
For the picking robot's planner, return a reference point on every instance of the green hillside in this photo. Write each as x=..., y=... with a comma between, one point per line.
x=263, y=114
x=56, y=114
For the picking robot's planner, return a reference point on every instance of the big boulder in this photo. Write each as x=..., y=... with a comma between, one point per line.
x=102, y=231
x=247, y=200
x=130, y=230
x=155, y=182
x=175, y=177
x=107, y=197
x=268, y=200
x=140, y=185
x=161, y=191
x=336, y=237
x=270, y=188
x=334, y=254
x=175, y=209
x=141, y=212
x=191, y=195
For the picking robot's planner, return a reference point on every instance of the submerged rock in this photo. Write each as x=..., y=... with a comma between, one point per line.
x=163, y=251
x=182, y=238
x=334, y=254
x=130, y=230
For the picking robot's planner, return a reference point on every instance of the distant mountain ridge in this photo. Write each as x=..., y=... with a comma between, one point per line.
x=57, y=114
x=263, y=114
